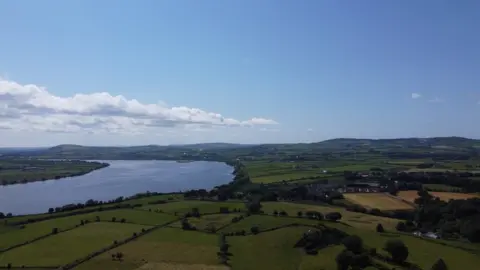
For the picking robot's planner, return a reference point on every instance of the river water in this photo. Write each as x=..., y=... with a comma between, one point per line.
x=121, y=178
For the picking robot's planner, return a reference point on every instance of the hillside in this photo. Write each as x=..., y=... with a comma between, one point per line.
x=442, y=147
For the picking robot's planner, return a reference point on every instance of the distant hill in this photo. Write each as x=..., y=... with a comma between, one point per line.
x=392, y=148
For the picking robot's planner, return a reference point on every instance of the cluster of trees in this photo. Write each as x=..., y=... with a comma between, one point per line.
x=2, y=215
x=410, y=181
x=357, y=256
x=453, y=219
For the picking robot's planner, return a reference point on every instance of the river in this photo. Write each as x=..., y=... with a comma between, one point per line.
x=121, y=178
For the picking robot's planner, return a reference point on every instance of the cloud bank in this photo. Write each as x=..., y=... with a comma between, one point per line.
x=31, y=107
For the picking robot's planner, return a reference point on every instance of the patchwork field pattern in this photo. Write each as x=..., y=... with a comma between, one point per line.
x=66, y=247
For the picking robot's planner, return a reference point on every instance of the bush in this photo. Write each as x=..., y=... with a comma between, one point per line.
x=397, y=250
x=275, y=213
x=353, y=243
x=255, y=230
x=401, y=227
x=114, y=219
x=333, y=216
x=283, y=213
x=380, y=228
x=54, y=230
x=344, y=259
x=299, y=214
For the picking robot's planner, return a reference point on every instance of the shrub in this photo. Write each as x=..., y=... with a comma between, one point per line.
x=54, y=230
x=333, y=216
x=299, y=214
x=401, y=227
x=353, y=243
x=255, y=230
x=380, y=228
x=397, y=250
x=275, y=213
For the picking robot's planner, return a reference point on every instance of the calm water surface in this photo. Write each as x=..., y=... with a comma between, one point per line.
x=121, y=178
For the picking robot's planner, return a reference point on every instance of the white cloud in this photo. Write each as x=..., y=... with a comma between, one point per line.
x=436, y=100
x=310, y=130
x=416, y=95
x=31, y=107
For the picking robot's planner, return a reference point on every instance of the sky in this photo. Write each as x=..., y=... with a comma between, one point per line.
x=117, y=72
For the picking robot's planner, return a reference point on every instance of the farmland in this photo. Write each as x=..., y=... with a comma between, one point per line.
x=411, y=195
x=171, y=247
x=16, y=171
x=380, y=201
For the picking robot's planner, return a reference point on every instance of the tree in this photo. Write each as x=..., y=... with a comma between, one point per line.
x=119, y=256
x=353, y=243
x=439, y=265
x=9, y=215
x=344, y=259
x=397, y=250
x=299, y=214
x=114, y=219
x=333, y=216
x=2, y=215
x=51, y=210
x=380, y=228
x=255, y=229
x=114, y=256
x=254, y=207
x=401, y=227
x=283, y=213
x=54, y=230
x=275, y=213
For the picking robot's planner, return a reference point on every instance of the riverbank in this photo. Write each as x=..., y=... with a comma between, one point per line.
x=22, y=171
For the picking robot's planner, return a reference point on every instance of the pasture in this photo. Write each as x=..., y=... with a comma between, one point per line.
x=411, y=195
x=264, y=222
x=66, y=247
x=204, y=207
x=422, y=252
x=380, y=201
x=355, y=219
x=165, y=245
x=208, y=222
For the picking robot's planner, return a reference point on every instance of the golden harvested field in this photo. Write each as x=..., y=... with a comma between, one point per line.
x=381, y=201
x=411, y=195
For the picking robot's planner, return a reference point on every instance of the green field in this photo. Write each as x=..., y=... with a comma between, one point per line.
x=37, y=229
x=204, y=207
x=69, y=246
x=174, y=248
x=265, y=223
x=163, y=245
x=352, y=218
x=207, y=222
x=15, y=171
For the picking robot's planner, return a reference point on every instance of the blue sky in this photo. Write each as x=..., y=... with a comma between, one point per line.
x=309, y=70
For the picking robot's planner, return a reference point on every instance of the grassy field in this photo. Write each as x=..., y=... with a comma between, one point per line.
x=411, y=195
x=422, y=252
x=37, y=229
x=352, y=218
x=208, y=221
x=270, y=250
x=166, y=245
x=66, y=247
x=264, y=223
x=14, y=171
x=183, y=207
x=380, y=201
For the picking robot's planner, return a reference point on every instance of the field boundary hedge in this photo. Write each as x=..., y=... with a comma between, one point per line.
x=112, y=246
